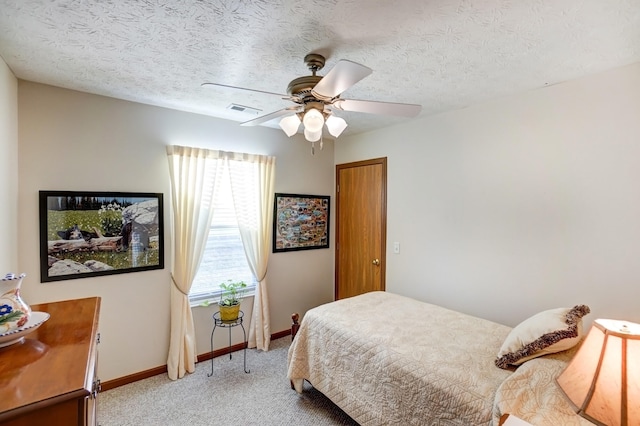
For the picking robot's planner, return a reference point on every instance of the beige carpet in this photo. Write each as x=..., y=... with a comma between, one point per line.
x=229, y=397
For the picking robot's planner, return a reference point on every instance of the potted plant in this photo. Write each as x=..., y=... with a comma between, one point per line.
x=229, y=303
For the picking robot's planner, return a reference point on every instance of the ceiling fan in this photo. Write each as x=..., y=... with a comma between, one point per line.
x=317, y=97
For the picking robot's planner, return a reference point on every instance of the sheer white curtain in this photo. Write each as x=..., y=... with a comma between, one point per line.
x=193, y=175
x=252, y=182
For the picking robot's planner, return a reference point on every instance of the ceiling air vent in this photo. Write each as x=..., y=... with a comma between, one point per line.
x=244, y=109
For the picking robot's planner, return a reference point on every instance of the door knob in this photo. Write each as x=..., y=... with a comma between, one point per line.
x=376, y=262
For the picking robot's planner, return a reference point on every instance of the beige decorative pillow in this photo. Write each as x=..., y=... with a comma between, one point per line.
x=544, y=333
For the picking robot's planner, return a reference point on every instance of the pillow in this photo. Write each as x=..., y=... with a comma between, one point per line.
x=544, y=333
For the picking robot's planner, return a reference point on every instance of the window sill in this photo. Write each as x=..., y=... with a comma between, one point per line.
x=213, y=300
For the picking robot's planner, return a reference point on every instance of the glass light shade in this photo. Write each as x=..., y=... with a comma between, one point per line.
x=312, y=136
x=336, y=125
x=602, y=381
x=313, y=120
x=290, y=124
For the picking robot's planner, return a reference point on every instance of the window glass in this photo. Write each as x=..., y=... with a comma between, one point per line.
x=223, y=258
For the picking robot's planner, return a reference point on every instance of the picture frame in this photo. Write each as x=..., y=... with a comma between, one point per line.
x=300, y=222
x=88, y=233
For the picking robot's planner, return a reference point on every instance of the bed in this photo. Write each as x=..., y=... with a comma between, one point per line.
x=388, y=359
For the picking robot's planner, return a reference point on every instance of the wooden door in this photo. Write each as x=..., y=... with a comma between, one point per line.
x=361, y=227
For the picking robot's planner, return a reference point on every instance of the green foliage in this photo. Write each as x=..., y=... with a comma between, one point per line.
x=111, y=219
x=232, y=292
x=87, y=220
x=108, y=219
x=62, y=220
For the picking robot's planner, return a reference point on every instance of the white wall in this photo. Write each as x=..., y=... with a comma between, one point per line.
x=501, y=209
x=76, y=141
x=518, y=205
x=8, y=169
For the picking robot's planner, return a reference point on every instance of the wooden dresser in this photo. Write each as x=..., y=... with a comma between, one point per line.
x=51, y=377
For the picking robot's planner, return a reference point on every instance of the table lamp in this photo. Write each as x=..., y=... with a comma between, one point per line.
x=602, y=381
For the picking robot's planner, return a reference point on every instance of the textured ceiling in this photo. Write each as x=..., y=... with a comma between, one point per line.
x=442, y=54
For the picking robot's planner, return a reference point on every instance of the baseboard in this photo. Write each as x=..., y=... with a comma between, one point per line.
x=280, y=334
x=121, y=381
x=111, y=384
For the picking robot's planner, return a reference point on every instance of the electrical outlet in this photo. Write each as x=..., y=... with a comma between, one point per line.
x=396, y=247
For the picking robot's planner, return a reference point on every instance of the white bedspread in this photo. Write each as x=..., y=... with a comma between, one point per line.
x=387, y=359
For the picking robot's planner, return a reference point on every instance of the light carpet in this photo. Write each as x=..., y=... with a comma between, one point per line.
x=229, y=397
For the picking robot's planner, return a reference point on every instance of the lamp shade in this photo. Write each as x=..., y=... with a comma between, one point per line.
x=312, y=136
x=602, y=380
x=313, y=120
x=336, y=125
x=290, y=124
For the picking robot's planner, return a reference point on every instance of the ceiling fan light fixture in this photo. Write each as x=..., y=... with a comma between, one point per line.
x=313, y=120
x=316, y=97
x=336, y=125
x=290, y=124
x=312, y=136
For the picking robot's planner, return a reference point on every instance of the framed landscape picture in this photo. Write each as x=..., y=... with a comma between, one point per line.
x=86, y=234
x=300, y=222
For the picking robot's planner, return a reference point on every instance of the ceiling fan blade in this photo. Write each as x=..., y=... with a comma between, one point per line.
x=342, y=76
x=381, y=108
x=269, y=117
x=244, y=88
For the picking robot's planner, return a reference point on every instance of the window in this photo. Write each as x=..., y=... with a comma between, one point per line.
x=223, y=256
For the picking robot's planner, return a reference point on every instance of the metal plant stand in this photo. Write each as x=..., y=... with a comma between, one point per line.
x=217, y=322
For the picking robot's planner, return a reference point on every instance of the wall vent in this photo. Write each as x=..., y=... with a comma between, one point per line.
x=244, y=109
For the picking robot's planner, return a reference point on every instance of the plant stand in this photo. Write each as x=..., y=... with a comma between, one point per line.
x=218, y=322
